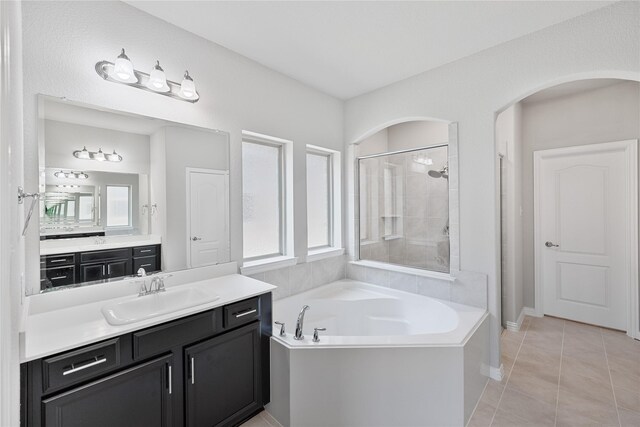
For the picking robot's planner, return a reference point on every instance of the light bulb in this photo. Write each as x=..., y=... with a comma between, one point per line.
x=115, y=157
x=123, y=69
x=157, y=79
x=99, y=156
x=188, y=88
x=82, y=154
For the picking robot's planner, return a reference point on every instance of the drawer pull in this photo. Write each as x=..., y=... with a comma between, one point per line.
x=145, y=251
x=245, y=313
x=96, y=361
x=58, y=278
x=193, y=370
x=170, y=385
x=145, y=265
x=57, y=260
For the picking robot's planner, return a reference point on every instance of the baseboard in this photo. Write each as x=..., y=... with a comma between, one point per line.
x=515, y=326
x=528, y=311
x=496, y=373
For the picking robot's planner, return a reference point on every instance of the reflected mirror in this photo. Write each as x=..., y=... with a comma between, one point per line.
x=123, y=193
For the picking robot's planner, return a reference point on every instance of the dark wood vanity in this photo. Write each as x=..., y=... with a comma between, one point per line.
x=207, y=369
x=80, y=267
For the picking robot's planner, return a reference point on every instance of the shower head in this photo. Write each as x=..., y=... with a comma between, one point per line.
x=442, y=173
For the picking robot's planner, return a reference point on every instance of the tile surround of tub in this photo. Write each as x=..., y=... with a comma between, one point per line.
x=468, y=288
x=303, y=277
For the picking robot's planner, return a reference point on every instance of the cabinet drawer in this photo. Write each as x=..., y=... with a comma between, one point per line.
x=148, y=263
x=241, y=312
x=158, y=339
x=69, y=368
x=59, y=276
x=145, y=251
x=60, y=260
x=105, y=255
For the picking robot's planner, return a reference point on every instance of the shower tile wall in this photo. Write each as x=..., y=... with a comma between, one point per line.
x=421, y=214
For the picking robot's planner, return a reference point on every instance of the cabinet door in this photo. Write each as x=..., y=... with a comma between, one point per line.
x=118, y=268
x=91, y=272
x=222, y=378
x=140, y=396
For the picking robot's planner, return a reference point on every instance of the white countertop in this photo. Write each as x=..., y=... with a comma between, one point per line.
x=49, y=332
x=83, y=244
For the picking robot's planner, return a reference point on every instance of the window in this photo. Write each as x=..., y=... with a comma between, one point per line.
x=85, y=206
x=263, y=200
x=118, y=206
x=319, y=200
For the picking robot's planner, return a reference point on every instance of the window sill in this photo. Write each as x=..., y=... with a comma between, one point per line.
x=318, y=254
x=403, y=269
x=262, y=265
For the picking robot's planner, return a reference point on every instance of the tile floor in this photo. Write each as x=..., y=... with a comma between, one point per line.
x=562, y=373
x=263, y=419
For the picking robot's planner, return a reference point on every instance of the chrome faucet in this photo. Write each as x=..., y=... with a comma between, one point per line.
x=299, y=323
x=156, y=286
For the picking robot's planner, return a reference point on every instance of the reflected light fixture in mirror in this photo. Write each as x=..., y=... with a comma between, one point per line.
x=85, y=154
x=157, y=79
x=123, y=69
x=71, y=175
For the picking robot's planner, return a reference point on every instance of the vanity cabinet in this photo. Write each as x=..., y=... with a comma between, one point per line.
x=199, y=370
x=223, y=377
x=79, y=267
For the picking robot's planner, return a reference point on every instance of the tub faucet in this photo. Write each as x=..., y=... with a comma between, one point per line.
x=299, y=323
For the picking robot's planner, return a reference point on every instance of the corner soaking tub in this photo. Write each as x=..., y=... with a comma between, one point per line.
x=387, y=358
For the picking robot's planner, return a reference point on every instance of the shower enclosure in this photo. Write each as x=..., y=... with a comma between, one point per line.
x=403, y=201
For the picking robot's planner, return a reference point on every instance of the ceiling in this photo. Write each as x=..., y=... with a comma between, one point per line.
x=346, y=48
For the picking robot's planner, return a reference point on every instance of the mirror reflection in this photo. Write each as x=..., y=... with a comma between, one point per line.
x=112, y=203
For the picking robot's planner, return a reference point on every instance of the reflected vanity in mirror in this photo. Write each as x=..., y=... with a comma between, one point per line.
x=123, y=192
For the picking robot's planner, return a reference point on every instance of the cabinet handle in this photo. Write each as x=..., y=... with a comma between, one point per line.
x=145, y=265
x=74, y=369
x=58, y=278
x=145, y=251
x=57, y=260
x=109, y=269
x=103, y=270
x=193, y=370
x=250, y=311
x=170, y=379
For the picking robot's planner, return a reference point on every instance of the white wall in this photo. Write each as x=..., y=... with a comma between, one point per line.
x=11, y=214
x=470, y=91
x=509, y=145
x=64, y=40
x=417, y=134
x=611, y=113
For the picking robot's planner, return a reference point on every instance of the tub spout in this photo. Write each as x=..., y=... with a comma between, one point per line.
x=298, y=335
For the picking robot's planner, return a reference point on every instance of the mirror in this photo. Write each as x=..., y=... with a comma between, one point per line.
x=122, y=192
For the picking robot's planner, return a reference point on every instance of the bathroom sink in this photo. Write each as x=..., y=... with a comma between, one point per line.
x=137, y=308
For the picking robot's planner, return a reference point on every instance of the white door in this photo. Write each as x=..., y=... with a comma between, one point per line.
x=583, y=222
x=208, y=227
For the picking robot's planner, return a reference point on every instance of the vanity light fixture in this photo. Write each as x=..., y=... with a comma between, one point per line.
x=71, y=175
x=99, y=156
x=68, y=186
x=122, y=71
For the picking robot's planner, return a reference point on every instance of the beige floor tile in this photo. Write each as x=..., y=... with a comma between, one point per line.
x=482, y=416
x=628, y=399
x=537, y=386
x=629, y=418
x=584, y=347
x=587, y=388
x=572, y=419
x=526, y=407
x=589, y=368
x=492, y=393
x=256, y=421
x=508, y=419
x=578, y=407
x=623, y=378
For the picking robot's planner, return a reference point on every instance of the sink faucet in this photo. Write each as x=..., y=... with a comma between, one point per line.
x=299, y=323
x=157, y=285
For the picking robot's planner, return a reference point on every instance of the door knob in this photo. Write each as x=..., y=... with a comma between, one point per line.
x=195, y=239
x=551, y=245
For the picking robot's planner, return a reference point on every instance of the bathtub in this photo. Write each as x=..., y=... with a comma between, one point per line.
x=387, y=358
